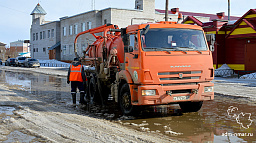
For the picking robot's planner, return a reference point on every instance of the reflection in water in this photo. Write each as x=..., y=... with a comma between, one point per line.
x=211, y=124
x=50, y=88
x=18, y=79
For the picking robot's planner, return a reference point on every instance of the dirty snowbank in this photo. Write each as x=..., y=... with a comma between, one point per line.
x=249, y=76
x=235, y=87
x=223, y=71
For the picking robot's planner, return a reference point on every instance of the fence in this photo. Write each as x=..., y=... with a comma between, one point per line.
x=247, y=74
x=53, y=65
x=223, y=72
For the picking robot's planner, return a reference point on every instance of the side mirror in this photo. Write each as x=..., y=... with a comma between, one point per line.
x=211, y=40
x=211, y=48
x=145, y=30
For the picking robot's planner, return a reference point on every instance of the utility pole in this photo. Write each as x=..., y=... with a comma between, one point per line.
x=228, y=9
x=166, y=10
x=93, y=4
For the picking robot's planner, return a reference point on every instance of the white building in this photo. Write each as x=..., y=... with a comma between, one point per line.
x=56, y=39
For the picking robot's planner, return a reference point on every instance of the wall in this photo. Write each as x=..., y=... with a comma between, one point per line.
x=38, y=45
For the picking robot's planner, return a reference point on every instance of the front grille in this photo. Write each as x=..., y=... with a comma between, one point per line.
x=177, y=78
x=172, y=84
x=179, y=75
x=184, y=72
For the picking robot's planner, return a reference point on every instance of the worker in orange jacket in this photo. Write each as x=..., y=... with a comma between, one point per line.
x=78, y=80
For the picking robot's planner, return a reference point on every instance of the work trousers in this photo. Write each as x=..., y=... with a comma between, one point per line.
x=75, y=85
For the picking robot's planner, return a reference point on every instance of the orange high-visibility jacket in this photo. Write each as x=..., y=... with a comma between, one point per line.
x=76, y=73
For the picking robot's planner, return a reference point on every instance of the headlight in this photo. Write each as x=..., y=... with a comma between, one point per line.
x=148, y=92
x=208, y=89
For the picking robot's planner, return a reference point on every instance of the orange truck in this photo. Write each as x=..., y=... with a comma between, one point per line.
x=149, y=64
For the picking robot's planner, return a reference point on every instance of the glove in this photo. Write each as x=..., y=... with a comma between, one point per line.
x=68, y=82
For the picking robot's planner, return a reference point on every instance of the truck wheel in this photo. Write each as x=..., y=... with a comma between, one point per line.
x=125, y=100
x=191, y=106
x=93, y=92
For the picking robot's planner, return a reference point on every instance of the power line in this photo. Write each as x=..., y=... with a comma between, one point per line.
x=13, y=9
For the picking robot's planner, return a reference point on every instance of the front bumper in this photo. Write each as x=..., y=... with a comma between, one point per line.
x=34, y=64
x=194, y=93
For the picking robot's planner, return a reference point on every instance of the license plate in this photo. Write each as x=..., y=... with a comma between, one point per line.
x=181, y=97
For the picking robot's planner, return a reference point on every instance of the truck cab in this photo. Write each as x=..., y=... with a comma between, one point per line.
x=167, y=63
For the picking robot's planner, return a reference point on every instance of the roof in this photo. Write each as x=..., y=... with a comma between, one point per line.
x=2, y=44
x=191, y=19
x=211, y=16
x=38, y=10
x=245, y=26
x=55, y=46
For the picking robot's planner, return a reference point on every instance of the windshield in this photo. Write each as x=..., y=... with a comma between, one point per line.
x=21, y=58
x=32, y=60
x=173, y=39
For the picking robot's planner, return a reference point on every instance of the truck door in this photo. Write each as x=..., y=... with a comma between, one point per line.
x=132, y=57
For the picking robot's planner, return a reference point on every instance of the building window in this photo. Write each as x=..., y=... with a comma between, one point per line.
x=105, y=21
x=35, y=50
x=44, y=35
x=49, y=33
x=82, y=26
x=89, y=25
x=64, y=31
x=41, y=36
x=75, y=29
x=64, y=50
x=44, y=50
x=52, y=33
x=70, y=49
x=36, y=36
x=70, y=30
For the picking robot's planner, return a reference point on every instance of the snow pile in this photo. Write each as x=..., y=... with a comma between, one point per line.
x=223, y=71
x=249, y=76
x=53, y=63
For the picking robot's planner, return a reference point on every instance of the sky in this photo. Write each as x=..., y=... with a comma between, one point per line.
x=16, y=19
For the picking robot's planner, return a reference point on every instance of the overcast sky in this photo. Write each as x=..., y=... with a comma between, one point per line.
x=15, y=18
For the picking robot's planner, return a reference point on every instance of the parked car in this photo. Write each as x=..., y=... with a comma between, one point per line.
x=10, y=61
x=1, y=61
x=30, y=62
x=20, y=61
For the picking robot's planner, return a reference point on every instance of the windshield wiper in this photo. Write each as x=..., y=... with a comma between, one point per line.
x=162, y=49
x=192, y=49
x=178, y=48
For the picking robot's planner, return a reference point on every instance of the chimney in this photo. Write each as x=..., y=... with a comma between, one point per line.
x=174, y=10
x=221, y=15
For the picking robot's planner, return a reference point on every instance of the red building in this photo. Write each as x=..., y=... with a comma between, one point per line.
x=235, y=41
x=20, y=46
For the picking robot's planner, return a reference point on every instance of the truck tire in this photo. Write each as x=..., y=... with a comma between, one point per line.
x=93, y=90
x=124, y=100
x=191, y=106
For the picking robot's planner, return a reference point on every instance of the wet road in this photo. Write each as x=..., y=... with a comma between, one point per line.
x=226, y=119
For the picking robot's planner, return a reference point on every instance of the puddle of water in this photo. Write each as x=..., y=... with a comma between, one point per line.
x=18, y=136
x=213, y=123
x=50, y=88
x=6, y=112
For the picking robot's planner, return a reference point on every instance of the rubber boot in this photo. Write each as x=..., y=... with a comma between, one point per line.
x=82, y=94
x=74, y=97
